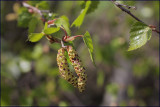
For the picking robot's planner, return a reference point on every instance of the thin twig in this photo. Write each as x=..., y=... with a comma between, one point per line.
x=52, y=39
x=51, y=22
x=136, y=18
x=36, y=10
x=33, y=8
x=129, y=7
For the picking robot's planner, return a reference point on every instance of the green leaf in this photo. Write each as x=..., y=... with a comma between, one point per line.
x=24, y=17
x=34, y=37
x=46, y=25
x=66, y=20
x=51, y=30
x=63, y=22
x=79, y=20
x=140, y=34
x=88, y=41
x=32, y=25
x=92, y=7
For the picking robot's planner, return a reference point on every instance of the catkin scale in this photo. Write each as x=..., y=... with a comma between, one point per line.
x=79, y=69
x=64, y=68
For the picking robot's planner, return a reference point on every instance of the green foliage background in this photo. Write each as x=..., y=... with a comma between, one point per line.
x=29, y=72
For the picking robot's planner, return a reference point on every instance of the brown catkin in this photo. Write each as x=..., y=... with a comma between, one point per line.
x=79, y=69
x=64, y=68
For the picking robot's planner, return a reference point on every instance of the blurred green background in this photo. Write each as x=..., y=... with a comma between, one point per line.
x=29, y=71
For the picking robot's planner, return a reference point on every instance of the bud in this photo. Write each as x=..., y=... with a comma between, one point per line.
x=64, y=68
x=79, y=69
x=71, y=38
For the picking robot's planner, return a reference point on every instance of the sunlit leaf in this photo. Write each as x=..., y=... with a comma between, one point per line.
x=51, y=30
x=34, y=37
x=46, y=26
x=66, y=20
x=88, y=41
x=140, y=34
x=79, y=20
x=63, y=22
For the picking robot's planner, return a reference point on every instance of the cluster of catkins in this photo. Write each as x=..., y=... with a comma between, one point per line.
x=79, y=82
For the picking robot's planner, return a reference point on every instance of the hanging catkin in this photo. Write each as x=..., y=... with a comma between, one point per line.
x=79, y=69
x=64, y=68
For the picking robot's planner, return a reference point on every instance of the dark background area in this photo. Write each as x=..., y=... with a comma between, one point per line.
x=29, y=71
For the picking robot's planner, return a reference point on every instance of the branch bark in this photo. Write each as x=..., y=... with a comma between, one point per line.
x=133, y=16
x=33, y=8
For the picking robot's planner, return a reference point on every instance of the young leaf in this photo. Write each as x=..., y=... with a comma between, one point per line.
x=51, y=30
x=79, y=20
x=66, y=24
x=66, y=20
x=140, y=34
x=32, y=25
x=34, y=37
x=88, y=41
x=63, y=22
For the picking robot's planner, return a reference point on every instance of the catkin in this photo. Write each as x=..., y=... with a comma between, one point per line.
x=79, y=69
x=64, y=68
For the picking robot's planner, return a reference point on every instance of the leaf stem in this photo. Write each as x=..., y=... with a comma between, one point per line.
x=52, y=22
x=64, y=31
